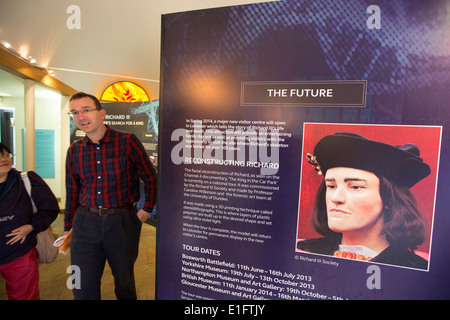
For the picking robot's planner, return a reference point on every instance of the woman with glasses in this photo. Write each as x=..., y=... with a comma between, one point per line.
x=19, y=226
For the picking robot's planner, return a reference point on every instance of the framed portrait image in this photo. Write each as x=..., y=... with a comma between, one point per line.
x=367, y=192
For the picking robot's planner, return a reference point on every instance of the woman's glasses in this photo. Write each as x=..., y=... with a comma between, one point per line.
x=6, y=156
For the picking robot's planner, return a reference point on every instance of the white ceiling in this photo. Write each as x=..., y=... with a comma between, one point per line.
x=118, y=40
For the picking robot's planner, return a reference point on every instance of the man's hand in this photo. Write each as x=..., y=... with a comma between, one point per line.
x=143, y=215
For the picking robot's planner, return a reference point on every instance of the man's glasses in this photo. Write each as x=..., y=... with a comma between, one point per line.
x=6, y=156
x=77, y=113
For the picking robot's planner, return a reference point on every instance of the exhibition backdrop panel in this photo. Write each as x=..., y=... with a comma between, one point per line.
x=247, y=91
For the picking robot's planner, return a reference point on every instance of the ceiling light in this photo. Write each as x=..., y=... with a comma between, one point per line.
x=7, y=45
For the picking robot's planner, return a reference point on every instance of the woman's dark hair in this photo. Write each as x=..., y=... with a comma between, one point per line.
x=4, y=148
x=403, y=223
x=80, y=95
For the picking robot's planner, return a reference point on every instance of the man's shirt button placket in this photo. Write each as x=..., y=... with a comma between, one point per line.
x=98, y=158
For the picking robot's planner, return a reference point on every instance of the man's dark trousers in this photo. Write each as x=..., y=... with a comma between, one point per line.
x=96, y=238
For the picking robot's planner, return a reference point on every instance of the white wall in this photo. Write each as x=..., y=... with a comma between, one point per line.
x=48, y=106
x=48, y=117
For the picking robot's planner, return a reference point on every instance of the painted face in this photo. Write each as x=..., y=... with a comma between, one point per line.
x=353, y=201
x=87, y=117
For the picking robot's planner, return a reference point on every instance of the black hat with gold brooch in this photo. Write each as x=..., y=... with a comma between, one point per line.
x=400, y=164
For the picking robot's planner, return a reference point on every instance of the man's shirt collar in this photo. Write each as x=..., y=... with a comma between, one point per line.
x=106, y=138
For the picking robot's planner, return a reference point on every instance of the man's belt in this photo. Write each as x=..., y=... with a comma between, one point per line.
x=106, y=211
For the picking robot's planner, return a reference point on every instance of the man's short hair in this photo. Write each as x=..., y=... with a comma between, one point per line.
x=80, y=95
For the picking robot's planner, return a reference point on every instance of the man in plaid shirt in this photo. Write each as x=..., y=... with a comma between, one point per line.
x=102, y=184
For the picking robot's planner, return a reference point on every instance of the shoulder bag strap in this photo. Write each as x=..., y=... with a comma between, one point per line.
x=27, y=184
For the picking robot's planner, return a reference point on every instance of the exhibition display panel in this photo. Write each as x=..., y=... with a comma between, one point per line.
x=303, y=146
